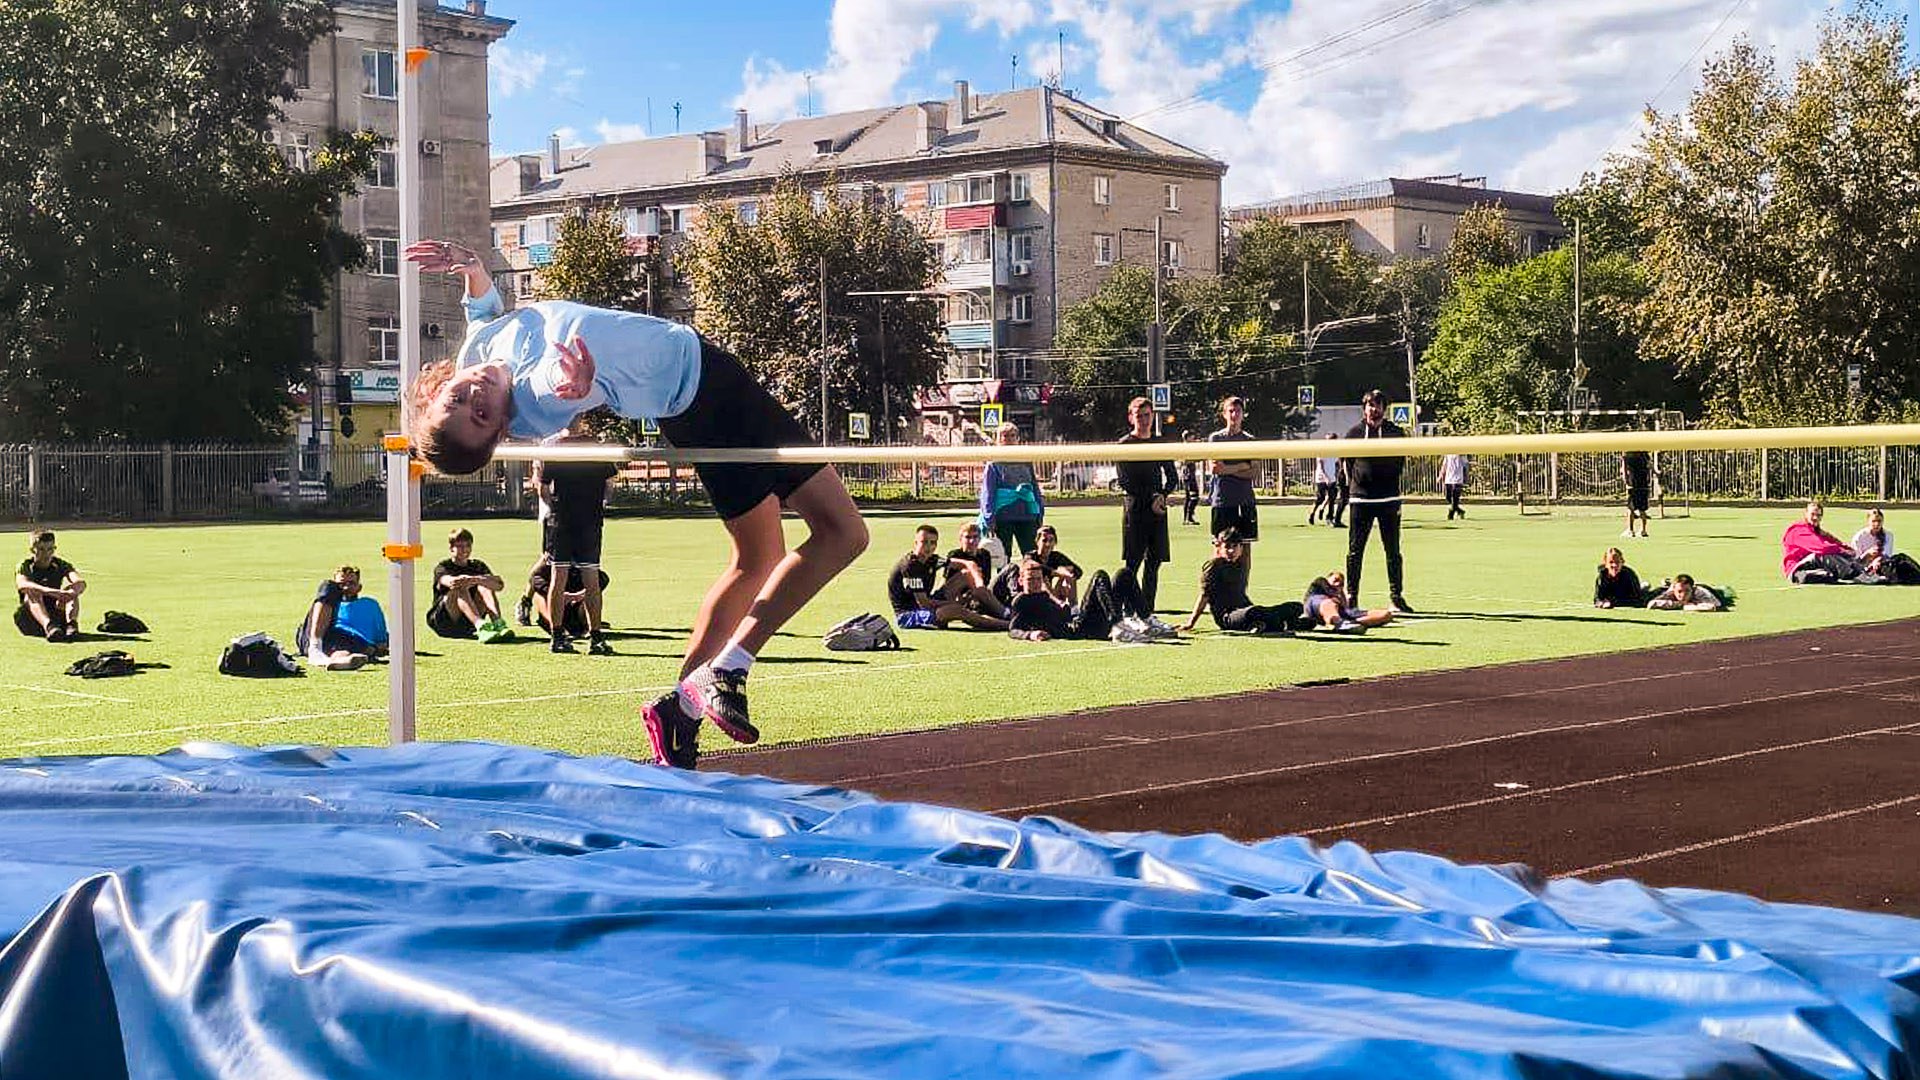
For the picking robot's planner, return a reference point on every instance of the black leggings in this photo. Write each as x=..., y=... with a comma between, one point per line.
x=1453, y=501
x=1145, y=572
x=1327, y=495
x=1365, y=515
x=1260, y=620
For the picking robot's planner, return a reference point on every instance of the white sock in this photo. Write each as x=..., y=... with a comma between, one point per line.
x=734, y=658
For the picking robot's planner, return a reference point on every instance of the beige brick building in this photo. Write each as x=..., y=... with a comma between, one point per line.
x=1395, y=217
x=1033, y=196
x=350, y=82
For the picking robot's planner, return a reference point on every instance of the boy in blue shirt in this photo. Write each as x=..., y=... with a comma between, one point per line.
x=530, y=371
x=343, y=629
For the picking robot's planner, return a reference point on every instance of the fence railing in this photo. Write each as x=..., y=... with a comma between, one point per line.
x=138, y=483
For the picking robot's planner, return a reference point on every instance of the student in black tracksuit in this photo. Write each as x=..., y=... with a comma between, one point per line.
x=1143, y=512
x=1374, y=499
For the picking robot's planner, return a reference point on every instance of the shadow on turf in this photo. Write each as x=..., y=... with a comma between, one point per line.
x=1514, y=616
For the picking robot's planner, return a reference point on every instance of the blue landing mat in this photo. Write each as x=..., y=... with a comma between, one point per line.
x=484, y=911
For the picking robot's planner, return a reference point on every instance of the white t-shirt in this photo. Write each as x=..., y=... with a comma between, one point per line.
x=1864, y=545
x=1453, y=469
x=1327, y=471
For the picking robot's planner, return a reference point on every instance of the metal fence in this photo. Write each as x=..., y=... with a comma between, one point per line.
x=130, y=483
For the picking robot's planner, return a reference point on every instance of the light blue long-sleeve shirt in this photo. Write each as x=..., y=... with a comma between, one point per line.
x=644, y=368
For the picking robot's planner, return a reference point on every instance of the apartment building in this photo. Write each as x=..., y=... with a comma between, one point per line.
x=1032, y=196
x=350, y=82
x=1393, y=217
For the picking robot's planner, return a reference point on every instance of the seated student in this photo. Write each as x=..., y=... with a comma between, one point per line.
x=1812, y=556
x=1615, y=584
x=574, y=619
x=1873, y=546
x=1326, y=606
x=1223, y=588
x=49, y=588
x=1038, y=613
x=466, y=595
x=343, y=629
x=969, y=574
x=916, y=602
x=1063, y=574
x=1684, y=594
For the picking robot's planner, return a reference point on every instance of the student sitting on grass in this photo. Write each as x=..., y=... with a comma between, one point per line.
x=466, y=595
x=343, y=630
x=1063, y=574
x=573, y=599
x=1810, y=555
x=1685, y=594
x=917, y=603
x=50, y=589
x=1326, y=606
x=969, y=574
x=1038, y=613
x=1223, y=589
x=1615, y=584
x=1873, y=545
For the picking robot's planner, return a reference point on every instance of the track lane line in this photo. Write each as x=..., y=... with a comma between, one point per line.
x=1737, y=838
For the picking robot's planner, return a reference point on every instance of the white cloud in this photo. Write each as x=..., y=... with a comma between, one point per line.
x=511, y=71
x=612, y=132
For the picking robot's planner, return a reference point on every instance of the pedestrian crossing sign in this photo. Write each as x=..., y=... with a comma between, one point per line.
x=649, y=427
x=1401, y=413
x=859, y=426
x=991, y=416
x=1306, y=397
x=1162, y=394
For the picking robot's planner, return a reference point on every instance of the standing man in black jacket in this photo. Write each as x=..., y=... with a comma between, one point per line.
x=1375, y=498
x=1143, y=511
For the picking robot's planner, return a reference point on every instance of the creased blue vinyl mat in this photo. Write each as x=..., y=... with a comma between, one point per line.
x=484, y=911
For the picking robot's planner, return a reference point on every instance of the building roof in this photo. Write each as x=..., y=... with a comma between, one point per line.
x=1458, y=190
x=1013, y=120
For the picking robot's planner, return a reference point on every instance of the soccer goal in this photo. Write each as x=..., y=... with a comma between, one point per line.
x=1575, y=477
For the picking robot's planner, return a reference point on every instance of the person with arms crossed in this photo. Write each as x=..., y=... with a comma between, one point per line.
x=1375, y=500
x=533, y=369
x=1145, y=486
x=1011, y=506
x=1873, y=545
x=466, y=595
x=1232, y=483
x=49, y=588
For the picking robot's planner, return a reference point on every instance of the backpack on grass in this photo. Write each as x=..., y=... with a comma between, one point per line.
x=257, y=656
x=119, y=622
x=865, y=632
x=104, y=665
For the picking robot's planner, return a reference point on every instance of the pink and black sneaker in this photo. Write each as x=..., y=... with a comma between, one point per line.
x=675, y=736
x=722, y=695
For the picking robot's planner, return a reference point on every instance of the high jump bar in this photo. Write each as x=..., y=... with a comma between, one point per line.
x=1585, y=442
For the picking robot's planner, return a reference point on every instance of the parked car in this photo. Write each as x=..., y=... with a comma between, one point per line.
x=275, y=488
x=1080, y=476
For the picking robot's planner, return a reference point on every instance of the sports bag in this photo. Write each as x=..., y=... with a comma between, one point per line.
x=119, y=622
x=257, y=656
x=865, y=632
x=104, y=665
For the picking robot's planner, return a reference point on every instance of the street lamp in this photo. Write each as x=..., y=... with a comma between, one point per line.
x=883, y=295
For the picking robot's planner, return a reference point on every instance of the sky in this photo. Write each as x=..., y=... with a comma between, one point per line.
x=1294, y=95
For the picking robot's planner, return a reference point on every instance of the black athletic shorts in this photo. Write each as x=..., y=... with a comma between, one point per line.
x=445, y=619
x=1244, y=518
x=1143, y=533
x=24, y=619
x=575, y=539
x=1638, y=498
x=731, y=409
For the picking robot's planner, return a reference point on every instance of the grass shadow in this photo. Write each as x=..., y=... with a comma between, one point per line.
x=1517, y=616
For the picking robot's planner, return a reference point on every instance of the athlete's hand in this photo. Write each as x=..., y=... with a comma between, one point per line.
x=576, y=370
x=1160, y=504
x=442, y=256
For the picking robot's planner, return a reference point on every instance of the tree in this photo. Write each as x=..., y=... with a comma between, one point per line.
x=593, y=264
x=159, y=263
x=1481, y=241
x=757, y=291
x=1504, y=343
x=1784, y=219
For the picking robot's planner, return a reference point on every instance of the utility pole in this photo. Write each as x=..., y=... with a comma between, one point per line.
x=886, y=407
x=1406, y=333
x=1579, y=369
x=1157, y=333
x=823, y=350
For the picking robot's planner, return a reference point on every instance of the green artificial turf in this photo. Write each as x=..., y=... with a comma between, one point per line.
x=1492, y=589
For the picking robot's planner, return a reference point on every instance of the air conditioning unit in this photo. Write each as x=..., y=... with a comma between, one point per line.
x=433, y=331
x=1022, y=267
x=430, y=147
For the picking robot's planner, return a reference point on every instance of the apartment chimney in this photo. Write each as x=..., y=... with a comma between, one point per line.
x=742, y=132
x=553, y=154
x=930, y=125
x=476, y=7
x=529, y=172
x=713, y=152
x=962, y=102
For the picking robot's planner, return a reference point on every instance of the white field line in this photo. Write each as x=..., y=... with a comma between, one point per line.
x=1597, y=781
x=65, y=693
x=1354, y=759
x=1737, y=838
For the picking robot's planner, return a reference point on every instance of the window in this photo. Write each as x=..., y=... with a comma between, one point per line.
x=538, y=230
x=295, y=146
x=1017, y=368
x=524, y=286
x=937, y=193
x=897, y=196
x=818, y=198
x=386, y=170
x=676, y=219
x=385, y=253
x=937, y=248
x=383, y=341
x=1103, y=249
x=302, y=65
x=822, y=147
x=1020, y=187
x=1423, y=238
x=1020, y=246
x=972, y=246
x=749, y=213
x=377, y=75
x=1173, y=197
x=499, y=236
x=970, y=189
x=1020, y=307
x=1170, y=254
x=1103, y=190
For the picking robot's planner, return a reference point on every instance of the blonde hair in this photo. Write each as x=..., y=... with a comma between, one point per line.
x=430, y=444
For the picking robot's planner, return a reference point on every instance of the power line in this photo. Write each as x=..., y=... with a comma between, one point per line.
x=1685, y=65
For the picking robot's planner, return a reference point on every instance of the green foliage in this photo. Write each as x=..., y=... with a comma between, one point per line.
x=158, y=262
x=757, y=291
x=1481, y=241
x=592, y=264
x=1608, y=211
x=1505, y=343
x=1784, y=217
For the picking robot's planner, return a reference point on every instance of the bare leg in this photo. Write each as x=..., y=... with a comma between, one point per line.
x=953, y=612
x=489, y=603
x=42, y=611
x=557, y=599
x=766, y=584
x=591, y=577
x=463, y=602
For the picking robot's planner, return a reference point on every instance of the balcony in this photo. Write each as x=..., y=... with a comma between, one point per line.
x=976, y=275
x=976, y=333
